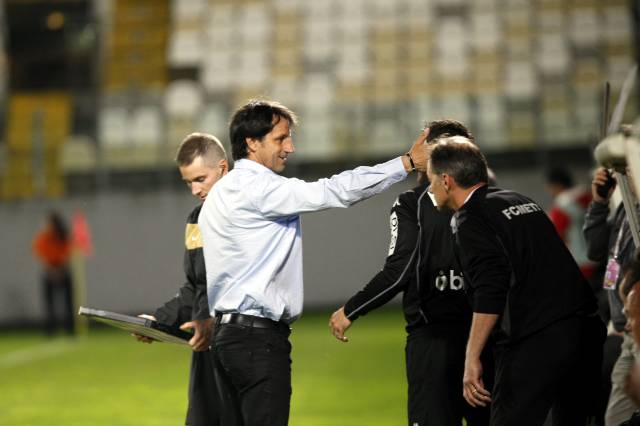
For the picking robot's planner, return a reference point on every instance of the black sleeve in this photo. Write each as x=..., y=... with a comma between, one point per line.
x=200, y=301
x=178, y=309
x=596, y=231
x=191, y=300
x=398, y=267
x=484, y=262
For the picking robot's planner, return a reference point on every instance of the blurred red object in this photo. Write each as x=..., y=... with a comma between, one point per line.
x=80, y=234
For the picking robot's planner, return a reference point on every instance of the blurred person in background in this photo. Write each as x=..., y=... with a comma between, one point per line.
x=252, y=235
x=421, y=264
x=609, y=240
x=630, y=294
x=52, y=246
x=567, y=213
x=202, y=161
x=526, y=290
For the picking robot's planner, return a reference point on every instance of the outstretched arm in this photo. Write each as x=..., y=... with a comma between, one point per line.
x=397, y=270
x=276, y=196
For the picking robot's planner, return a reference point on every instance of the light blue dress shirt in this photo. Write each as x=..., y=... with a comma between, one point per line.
x=251, y=232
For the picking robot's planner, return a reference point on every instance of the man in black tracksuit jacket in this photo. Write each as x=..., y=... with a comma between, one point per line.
x=202, y=161
x=420, y=263
x=206, y=387
x=525, y=287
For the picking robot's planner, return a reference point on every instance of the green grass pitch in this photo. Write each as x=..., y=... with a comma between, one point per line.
x=108, y=378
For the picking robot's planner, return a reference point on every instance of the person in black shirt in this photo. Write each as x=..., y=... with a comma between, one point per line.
x=526, y=289
x=420, y=263
x=202, y=162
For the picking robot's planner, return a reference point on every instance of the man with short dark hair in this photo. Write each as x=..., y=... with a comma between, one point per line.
x=421, y=264
x=526, y=290
x=202, y=162
x=253, y=251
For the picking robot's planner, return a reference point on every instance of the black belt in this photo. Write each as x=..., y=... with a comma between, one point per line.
x=250, y=321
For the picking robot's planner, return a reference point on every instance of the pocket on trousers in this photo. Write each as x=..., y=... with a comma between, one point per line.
x=237, y=363
x=232, y=349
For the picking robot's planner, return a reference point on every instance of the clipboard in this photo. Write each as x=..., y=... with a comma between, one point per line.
x=142, y=326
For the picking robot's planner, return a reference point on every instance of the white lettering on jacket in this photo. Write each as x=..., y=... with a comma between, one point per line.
x=393, y=224
x=453, y=281
x=520, y=209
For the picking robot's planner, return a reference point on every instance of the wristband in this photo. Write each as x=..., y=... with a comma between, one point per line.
x=413, y=166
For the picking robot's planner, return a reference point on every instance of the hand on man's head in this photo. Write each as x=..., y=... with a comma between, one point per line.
x=418, y=154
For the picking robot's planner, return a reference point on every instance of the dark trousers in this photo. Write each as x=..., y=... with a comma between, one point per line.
x=210, y=397
x=57, y=293
x=257, y=364
x=610, y=354
x=556, y=369
x=435, y=365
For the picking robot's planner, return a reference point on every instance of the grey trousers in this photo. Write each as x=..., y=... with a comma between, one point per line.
x=620, y=406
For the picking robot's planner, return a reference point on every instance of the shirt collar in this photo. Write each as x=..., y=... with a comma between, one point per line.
x=245, y=163
x=473, y=192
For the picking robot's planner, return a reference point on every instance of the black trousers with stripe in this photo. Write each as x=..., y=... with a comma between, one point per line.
x=435, y=365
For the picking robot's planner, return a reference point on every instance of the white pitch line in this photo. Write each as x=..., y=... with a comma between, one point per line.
x=35, y=353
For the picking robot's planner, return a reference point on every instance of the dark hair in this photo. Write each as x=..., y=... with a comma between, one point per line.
x=560, y=176
x=200, y=145
x=59, y=226
x=441, y=129
x=254, y=120
x=447, y=127
x=461, y=159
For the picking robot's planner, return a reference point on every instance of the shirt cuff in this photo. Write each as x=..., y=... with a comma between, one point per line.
x=489, y=306
x=396, y=166
x=348, y=311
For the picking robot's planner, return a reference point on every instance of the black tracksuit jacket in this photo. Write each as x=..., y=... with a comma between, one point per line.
x=207, y=393
x=191, y=300
x=516, y=265
x=420, y=263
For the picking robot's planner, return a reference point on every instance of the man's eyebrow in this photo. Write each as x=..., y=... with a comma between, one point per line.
x=189, y=180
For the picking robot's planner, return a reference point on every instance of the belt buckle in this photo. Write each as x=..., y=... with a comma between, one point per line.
x=224, y=319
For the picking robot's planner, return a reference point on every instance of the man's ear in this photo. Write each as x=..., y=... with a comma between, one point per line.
x=252, y=144
x=223, y=165
x=447, y=182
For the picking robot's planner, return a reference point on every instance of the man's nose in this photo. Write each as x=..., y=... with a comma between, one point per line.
x=288, y=146
x=195, y=189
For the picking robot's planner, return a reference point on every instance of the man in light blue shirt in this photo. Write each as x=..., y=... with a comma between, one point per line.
x=250, y=225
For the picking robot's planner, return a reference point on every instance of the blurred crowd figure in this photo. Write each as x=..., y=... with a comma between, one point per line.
x=52, y=246
x=568, y=208
x=567, y=213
